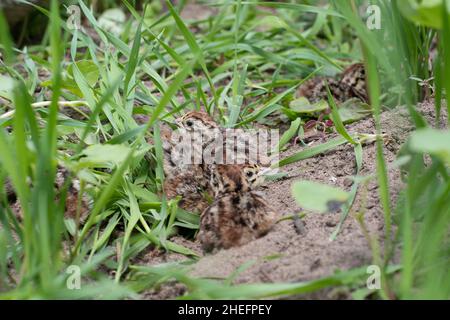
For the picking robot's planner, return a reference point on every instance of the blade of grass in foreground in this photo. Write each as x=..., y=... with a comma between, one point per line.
x=438, y=88
x=50, y=222
x=210, y=289
x=446, y=55
x=340, y=128
x=6, y=41
x=407, y=276
x=348, y=205
x=374, y=93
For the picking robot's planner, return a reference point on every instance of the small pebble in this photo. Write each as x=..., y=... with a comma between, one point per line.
x=330, y=224
x=348, y=182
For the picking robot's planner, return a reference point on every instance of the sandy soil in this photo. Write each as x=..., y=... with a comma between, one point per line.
x=310, y=254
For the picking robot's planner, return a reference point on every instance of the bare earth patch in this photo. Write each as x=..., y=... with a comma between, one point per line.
x=310, y=254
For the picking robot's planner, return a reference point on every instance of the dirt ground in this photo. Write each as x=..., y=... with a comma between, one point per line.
x=310, y=254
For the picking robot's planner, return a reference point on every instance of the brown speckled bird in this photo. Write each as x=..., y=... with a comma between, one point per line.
x=191, y=126
x=186, y=177
x=72, y=204
x=235, y=178
x=240, y=144
x=198, y=121
x=193, y=188
x=351, y=83
x=193, y=180
x=238, y=215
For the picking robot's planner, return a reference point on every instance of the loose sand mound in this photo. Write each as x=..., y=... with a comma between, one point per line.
x=310, y=254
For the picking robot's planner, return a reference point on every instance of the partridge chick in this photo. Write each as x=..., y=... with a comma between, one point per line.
x=350, y=84
x=188, y=177
x=191, y=178
x=238, y=215
x=71, y=201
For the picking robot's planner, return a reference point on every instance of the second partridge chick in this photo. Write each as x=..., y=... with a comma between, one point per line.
x=238, y=215
x=184, y=177
x=193, y=125
x=193, y=188
x=235, y=178
x=350, y=84
x=199, y=122
x=75, y=208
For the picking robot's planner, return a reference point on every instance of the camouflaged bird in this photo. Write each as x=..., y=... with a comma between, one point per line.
x=193, y=125
x=191, y=179
x=75, y=208
x=350, y=84
x=236, y=178
x=238, y=215
x=218, y=145
x=186, y=175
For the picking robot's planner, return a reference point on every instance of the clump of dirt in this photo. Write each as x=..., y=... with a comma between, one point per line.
x=311, y=254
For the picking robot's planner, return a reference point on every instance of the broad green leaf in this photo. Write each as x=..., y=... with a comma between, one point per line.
x=427, y=13
x=105, y=155
x=6, y=87
x=432, y=141
x=303, y=106
x=89, y=70
x=112, y=20
x=318, y=197
x=353, y=110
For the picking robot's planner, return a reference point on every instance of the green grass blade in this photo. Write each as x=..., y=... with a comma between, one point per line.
x=313, y=151
x=337, y=119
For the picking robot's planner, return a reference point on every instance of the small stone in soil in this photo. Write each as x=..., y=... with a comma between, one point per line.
x=330, y=224
x=348, y=182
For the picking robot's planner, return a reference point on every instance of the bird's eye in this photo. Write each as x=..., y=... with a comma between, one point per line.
x=249, y=174
x=189, y=123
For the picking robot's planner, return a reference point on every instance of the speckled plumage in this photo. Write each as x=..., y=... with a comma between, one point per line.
x=194, y=182
x=185, y=179
x=350, y=84
x=238, y=215
x=192, y=126
x=71, y=199
x=192, y=186
x=235, y=178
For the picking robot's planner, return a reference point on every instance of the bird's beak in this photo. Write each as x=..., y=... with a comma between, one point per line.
x=178, y=122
